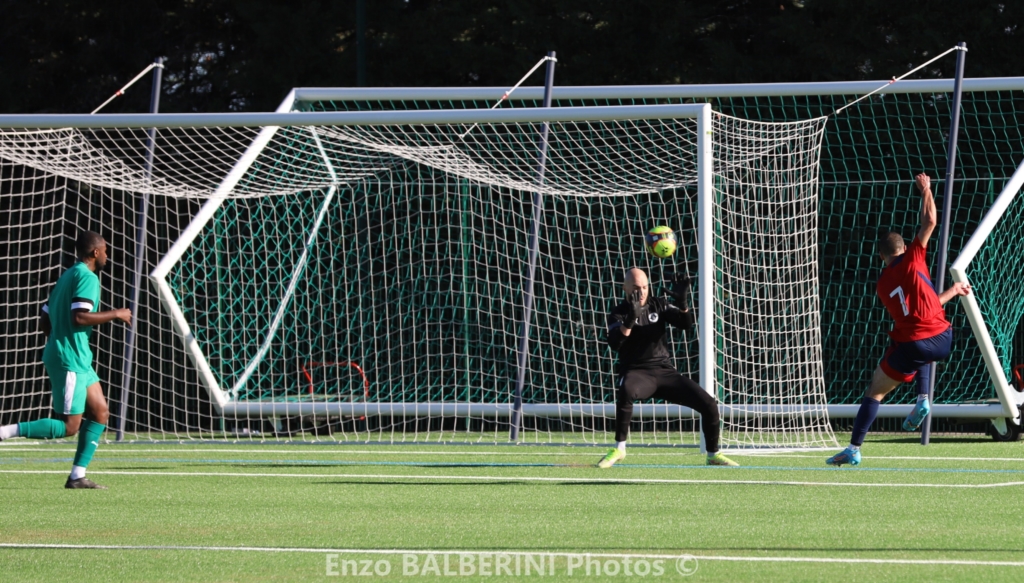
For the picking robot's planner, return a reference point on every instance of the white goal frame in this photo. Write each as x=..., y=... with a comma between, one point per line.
x=228, y=406
x=223, y=399
x=1008, y=397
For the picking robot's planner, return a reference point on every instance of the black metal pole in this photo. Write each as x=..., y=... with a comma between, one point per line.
x=524, y=338
x=947, y=212
x=140, y=256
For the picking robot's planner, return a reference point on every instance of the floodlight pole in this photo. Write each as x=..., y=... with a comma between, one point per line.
x=538, y=206
x=947, y=211
x=140, y=255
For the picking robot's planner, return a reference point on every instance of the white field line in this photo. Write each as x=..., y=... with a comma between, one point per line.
x=258, y=450
x=116, y=450
x=739, y=558
x=579, y=480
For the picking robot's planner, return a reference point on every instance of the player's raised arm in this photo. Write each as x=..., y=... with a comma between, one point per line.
x=929, y=216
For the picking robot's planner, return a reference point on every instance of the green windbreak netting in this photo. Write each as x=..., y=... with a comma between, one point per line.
x=869, y=156
x=416, y=277
x=997, y=292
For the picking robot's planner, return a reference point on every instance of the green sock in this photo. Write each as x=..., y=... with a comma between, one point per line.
x=88, y=441
x=42, y=429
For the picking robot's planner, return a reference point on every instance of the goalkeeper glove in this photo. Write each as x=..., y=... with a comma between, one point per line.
x=632, y=309
x=680, y=291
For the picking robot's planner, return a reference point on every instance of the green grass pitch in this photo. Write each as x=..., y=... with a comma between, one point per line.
x=952, y=511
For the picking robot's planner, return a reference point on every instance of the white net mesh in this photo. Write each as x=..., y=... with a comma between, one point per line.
x=365, y=282
x=768, y=331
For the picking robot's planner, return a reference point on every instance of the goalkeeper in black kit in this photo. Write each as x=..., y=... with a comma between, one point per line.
x=636, y=330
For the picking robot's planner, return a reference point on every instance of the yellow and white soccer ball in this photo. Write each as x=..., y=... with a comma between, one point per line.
x=661, y=242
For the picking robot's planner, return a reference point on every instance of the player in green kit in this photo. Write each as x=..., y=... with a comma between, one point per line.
x=67, y=319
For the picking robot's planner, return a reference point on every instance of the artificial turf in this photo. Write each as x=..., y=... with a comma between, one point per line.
x=284, y=512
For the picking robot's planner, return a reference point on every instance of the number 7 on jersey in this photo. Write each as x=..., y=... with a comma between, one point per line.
x=903, y=299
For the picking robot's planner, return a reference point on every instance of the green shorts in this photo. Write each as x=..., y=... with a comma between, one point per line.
x=70, y=389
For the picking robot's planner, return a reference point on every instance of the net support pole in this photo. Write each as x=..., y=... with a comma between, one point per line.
x=140, y=255
x=538, y=206
x=947, y=211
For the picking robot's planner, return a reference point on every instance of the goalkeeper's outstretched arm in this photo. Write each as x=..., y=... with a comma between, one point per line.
x=682, y=319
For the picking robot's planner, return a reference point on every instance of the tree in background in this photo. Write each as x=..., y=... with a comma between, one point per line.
x=244, y=55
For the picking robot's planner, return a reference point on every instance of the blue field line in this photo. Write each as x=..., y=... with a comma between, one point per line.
x=342, y=463
x=299, y=462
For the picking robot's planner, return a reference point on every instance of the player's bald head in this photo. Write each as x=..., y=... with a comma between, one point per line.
x=634, y=277
x=636, y=280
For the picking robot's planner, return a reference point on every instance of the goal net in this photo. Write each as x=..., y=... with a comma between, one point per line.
x=364, y=279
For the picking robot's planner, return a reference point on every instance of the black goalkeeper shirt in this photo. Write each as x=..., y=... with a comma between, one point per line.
x=645, y=346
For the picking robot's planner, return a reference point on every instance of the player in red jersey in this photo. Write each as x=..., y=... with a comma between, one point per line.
x=922, y=333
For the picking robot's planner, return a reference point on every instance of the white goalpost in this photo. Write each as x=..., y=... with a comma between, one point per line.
x=357, y=274
x=995, y=245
